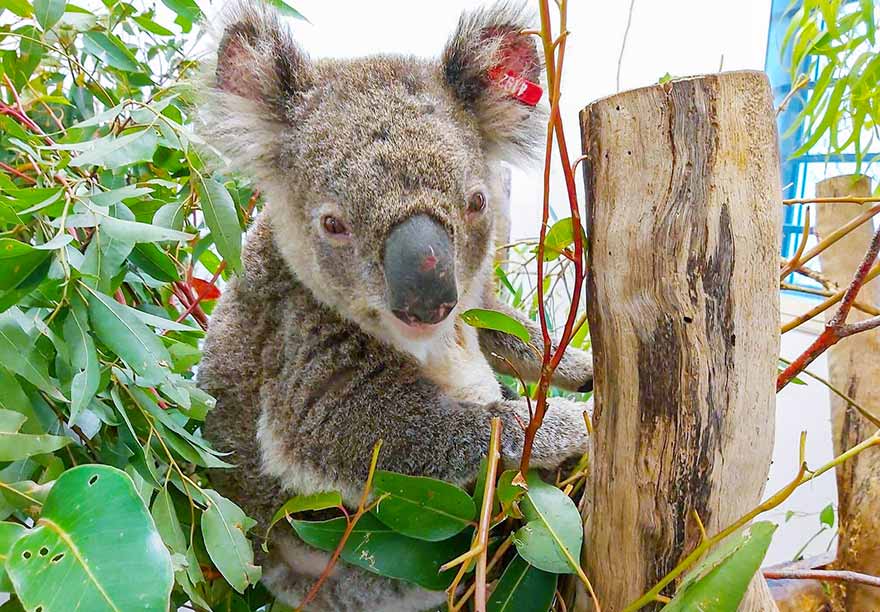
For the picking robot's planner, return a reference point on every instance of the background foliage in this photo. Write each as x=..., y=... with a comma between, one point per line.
x=115, y=241
x=837, y=41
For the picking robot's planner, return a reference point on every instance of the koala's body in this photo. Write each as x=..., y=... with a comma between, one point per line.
x=382, y=189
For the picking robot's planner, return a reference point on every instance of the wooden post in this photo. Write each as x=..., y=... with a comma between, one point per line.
x=683, y=223
x=854, y=368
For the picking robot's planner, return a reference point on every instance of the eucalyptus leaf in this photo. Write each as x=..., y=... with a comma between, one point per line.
x=224, y=527
x=552, y=536
x=222, y=218
x=420, y=507
x=377, y=548
x=498, y=321
x=522, y=587
x=720, y=581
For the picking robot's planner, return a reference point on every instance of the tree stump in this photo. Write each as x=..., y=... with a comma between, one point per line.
x=854, y=368
x=683, y=225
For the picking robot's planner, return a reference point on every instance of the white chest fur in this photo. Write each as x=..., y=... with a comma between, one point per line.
x=459, y=368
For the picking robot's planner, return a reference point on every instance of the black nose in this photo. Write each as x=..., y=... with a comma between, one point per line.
x=420, y=271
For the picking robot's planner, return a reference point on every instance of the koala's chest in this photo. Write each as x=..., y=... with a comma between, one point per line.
x=460, y=369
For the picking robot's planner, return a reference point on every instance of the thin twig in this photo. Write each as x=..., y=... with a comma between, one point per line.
x=629, y=17
x=823, y=575
x=795, y=261
x=832, y=200
x=822, y=307
x=866, y=308
x=482, y=536
x=361, y=510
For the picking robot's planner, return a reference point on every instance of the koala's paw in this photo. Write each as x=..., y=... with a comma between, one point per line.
x=563, y=435
x=575, y=371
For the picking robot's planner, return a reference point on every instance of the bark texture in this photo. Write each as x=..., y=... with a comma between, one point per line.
x=854, y=368
x=683, y=220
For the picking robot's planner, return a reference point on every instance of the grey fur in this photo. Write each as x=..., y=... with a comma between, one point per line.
x=308, y=366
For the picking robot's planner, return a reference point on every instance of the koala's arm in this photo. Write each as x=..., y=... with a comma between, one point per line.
x=575, y=371
x=326, y=423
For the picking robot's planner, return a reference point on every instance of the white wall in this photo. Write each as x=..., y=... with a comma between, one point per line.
x=681, y=37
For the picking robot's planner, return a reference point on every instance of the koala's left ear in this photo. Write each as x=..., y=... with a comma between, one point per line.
x=494, y=70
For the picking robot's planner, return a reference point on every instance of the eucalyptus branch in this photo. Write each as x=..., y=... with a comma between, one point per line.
x=837, y=328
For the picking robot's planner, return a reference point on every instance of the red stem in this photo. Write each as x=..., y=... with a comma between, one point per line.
x=837, y=328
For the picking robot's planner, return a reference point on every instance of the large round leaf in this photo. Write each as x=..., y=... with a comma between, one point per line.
x=552, y=536
x=422, y=508
x=95, y=548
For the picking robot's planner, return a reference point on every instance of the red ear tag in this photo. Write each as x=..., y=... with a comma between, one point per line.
x=516, y=85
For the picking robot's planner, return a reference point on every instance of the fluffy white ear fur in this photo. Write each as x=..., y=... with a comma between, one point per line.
x=255, y=71
x=487, y=40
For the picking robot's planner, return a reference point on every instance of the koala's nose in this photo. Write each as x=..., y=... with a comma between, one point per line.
x=419, y=268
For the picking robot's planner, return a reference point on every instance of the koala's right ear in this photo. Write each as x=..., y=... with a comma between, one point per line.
x=258, y=74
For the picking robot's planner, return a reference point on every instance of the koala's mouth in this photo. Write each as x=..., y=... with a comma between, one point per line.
x=419, y=266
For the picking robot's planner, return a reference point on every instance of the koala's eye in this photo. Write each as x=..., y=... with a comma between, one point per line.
x=334, y=226
x=476, y=202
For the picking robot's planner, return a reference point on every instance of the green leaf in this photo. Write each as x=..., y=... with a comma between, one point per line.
x=83, y=357
x=826, y=517
x=22, y=8
x=124, y=333
x=498, y=321
x=421, y=507
x=167, y=522
x=302, y=503
x=375, y=547
x=117, y=151
x=110, y=49
x=154, y=261
x=552, y=536
x=224, y=528
x=285, y=9
x=94, y=548
x=222, y=219
x=21, y=265
x=18, y=354
x=48, y=12
x=151, y=26
x=522, y=587
x=720, y=581
x=559, y=237
x=9, y=535
x=187, y=9
x=15, y=445
x=132, y=231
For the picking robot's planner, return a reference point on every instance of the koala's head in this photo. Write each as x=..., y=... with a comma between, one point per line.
x=380, y=174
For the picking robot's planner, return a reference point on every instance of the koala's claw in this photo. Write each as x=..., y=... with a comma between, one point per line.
x=586, y=387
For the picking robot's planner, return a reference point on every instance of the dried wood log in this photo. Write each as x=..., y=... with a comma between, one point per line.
x=683, y=222
x=853, y=367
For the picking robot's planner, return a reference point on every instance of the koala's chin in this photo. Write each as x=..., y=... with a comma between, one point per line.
x=419, y=339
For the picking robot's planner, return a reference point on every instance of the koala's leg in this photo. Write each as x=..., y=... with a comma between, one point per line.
x=575, y=371
x=293, y=568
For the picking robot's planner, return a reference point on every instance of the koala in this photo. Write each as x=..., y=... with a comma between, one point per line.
x=384, y=194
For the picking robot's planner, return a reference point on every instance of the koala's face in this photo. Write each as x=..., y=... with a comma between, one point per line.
x=380, y=173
